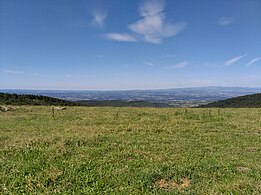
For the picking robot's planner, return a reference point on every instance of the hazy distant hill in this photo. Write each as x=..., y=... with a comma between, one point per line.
x=247, y=101
x=122, y=103
x=15, y=99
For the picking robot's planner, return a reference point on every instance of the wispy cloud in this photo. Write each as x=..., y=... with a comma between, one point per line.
x=21, y=72
x=120, y=37
x=253, y=61
x=234, y=60
x=148, y=63
x=13, y=72
x=153, y=26
x=99, y=17
x=225, y=21
x=180, y=65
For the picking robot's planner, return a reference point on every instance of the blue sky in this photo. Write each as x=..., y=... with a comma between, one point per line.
x=129, y=44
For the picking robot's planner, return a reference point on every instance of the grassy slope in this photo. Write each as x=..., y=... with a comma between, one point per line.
x=247, y=101
x=127, y=150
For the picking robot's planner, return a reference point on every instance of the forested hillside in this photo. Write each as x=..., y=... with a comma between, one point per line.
x=15, y=99
x=247, y=101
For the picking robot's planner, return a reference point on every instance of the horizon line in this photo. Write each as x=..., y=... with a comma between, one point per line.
x=134, y=89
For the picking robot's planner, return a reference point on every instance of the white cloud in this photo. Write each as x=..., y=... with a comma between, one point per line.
x=13, y=72
x=99, y=17
x=180, y=65
x=225, y=21
x=153, y=26
x=253, y=61
x=148, y=63
x=20, y=72
x=120, y=37
x=234, y=60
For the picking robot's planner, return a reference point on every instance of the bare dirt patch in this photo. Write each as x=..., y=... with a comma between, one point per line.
x=252, y=149
x=165, y=184
x=242, y=169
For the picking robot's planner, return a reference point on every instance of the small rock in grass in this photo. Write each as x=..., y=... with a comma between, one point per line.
x=60, y=108
x=4, y=108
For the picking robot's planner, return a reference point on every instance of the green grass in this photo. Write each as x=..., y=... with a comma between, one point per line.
x=86, y=150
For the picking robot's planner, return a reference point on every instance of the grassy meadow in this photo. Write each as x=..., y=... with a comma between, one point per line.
x=87, y=150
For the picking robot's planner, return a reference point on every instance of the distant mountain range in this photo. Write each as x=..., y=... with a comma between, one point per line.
x=247, y=101
x=177, y=97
